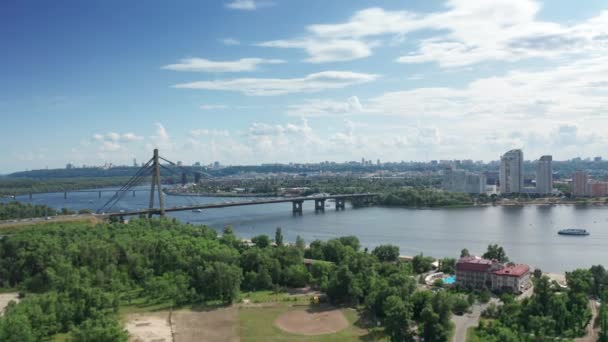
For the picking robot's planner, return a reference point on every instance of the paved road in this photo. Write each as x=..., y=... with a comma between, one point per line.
x=464, y=322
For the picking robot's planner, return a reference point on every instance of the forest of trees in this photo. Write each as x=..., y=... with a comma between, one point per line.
x=18, y=210
x=73, y=278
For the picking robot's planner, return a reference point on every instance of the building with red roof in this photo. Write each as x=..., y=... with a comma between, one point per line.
x=476, y=272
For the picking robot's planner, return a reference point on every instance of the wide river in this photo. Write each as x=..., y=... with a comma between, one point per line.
x=528, y=233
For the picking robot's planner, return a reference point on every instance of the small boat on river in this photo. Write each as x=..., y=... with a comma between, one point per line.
x=573, y=231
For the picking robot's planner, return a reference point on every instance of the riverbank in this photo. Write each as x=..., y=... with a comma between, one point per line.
x=215, y=194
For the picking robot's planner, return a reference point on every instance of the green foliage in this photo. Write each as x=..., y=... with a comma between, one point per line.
x=300, y=244
x=422, y=264
x=447, y=265
x=424, y=197
x=100, y=329
x=278, y=237
x=18, y=210
x=386, y=253
x=397, y=319
x=496, y=252
x=261, y=241
x=464, y=253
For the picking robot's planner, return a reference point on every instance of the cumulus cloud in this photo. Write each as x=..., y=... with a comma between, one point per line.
x=277, y=86
x=205, y=65
x=465, y=33
x=326, y=107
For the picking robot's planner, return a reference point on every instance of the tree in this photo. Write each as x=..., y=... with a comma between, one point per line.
x=261, y=241
x=397, y=319
x=100, y=329
x=432, y=329
x=278, y=237
x=386, y=253
x=447, y=265
x=297, y=276
x=464, y=253
x=300, y=244
x=496, y=252
x=422, y=264
x=222, y=281
x=16, y=328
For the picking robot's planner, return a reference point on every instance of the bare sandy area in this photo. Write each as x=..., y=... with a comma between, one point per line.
x=306, y=322
x=149, y=327
x=206, y=326
x=5, y=298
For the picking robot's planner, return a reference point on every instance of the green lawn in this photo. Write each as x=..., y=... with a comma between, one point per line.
x=256, y=324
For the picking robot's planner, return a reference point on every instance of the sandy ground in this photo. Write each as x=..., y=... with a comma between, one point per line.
x=184, y=326
x=5, y=298
x=306, y=322
x=150, y=327
x=206, y=326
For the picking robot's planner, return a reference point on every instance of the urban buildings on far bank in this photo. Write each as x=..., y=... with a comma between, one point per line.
x=477, y=273
x=463, y=181
x=583, y=186
x=512, y=172
x=544, y=175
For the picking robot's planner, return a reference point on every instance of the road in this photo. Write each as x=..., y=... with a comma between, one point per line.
x=468, y=320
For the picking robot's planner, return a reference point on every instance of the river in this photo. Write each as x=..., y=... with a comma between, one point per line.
x=528, y=233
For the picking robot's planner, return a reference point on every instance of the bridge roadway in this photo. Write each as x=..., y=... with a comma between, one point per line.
x=296, y=204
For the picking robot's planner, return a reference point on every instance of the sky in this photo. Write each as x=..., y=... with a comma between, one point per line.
x=263, y=81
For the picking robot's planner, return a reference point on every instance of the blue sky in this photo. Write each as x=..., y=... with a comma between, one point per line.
x=246, y=82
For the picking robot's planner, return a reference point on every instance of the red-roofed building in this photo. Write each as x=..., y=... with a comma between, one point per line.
x=516, y=278
x=476, y=272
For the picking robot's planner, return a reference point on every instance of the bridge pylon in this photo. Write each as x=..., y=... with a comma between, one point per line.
x=156, y=182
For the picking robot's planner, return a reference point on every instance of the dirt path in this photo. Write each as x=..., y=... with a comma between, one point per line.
x=592, y=332
x=149, y=327
x=5, y=298
x=206, y=326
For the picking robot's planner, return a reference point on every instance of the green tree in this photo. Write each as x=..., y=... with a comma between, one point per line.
x=397, y=319
x=496, y=252
x=422, y=264
x=278, y=237
x=386, y=253
x=261, y=241
x=222, y=281
x=464, y=253
x=297, y=276
x=300, y=244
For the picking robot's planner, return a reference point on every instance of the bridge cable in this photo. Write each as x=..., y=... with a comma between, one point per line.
x=119, y=194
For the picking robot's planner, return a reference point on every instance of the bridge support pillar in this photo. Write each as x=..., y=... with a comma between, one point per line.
x=340, y=203
x=297, y=207
x=65, y=195
x=319, y=205
x=30, y=196
x=100, y=194
x=133, y=193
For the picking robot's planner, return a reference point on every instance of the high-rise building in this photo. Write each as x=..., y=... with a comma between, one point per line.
x=512, y=172
x=544, y=175
x=134, y=162
x=463, y=181
x=580, y=179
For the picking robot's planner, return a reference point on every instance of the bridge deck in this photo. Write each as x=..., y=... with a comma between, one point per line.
x=243, y=203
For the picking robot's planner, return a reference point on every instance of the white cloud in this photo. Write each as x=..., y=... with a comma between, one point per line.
x=321, y=51
x=205, y=65
x=213, y=106
x=326, y=107
x=197, y=133
x=465, y=33
x=248, y=5
x=276, y=86
x=230, y=41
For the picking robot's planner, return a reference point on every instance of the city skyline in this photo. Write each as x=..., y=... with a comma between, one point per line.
x=426, y=80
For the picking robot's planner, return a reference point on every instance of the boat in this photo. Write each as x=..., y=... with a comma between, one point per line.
x=573, y=231
x=197, y=210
